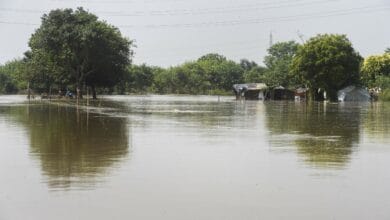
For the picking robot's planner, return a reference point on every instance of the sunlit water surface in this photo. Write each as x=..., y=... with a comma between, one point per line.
x=193, y=157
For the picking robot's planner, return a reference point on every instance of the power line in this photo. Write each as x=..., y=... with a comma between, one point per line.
x=333, y=13
x=18, y=23
x=215, y=10
x=200, y=11
x=264, y=20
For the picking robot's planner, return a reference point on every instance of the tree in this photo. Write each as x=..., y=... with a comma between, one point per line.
x=7, y=86
x=387, y=50
x=84, y=49
x=220, y=72
x=247, y=65
x=327, y=62
x=376, y=71
x=140, y=77
x=12, y=75
x=278, y=63
x=42, y=72
x=255, y=75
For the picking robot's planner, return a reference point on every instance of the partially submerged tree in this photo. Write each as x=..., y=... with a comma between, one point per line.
x=327, y=62
x=84, y=49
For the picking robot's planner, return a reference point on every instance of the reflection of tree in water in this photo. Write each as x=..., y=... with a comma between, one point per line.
x=74, y=147
x=377, y=121
x=323, y=133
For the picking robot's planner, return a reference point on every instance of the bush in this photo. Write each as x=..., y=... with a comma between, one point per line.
x=385, y=95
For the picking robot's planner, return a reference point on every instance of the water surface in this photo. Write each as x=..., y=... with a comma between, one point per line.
x=193, y=157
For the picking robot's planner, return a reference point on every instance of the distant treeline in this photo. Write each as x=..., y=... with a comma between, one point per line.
x=73, y=50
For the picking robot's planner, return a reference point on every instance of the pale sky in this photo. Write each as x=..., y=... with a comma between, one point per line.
x=170, y=32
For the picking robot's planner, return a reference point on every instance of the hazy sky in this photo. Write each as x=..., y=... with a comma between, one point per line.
x=169, y=32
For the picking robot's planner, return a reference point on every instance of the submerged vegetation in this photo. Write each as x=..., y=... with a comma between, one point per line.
x=74, y=51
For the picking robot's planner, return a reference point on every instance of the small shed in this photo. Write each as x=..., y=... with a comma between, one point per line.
x=280, y=93
x=353, y=94
x=250, y=91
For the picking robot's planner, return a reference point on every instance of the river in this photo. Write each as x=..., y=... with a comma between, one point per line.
x=193, y=157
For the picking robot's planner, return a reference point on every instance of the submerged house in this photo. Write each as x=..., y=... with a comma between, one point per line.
x=280, y=93
x=353, y=94
x=250, y=91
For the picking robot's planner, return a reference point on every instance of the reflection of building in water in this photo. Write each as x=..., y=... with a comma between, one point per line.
x=323, y=134
x=75, y=148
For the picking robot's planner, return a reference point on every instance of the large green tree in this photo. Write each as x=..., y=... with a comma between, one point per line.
x=327, y=62
x=76, y=46
x=278, y=63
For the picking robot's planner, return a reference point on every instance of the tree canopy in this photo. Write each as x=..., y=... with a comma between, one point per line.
x=12, y=77
x=210, y=74
x=376, y=71
x=74, y=47
x=327, y=62
x=278, y=63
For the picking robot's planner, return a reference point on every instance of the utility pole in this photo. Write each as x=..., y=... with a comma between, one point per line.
x=300, y=35
x=271, y=39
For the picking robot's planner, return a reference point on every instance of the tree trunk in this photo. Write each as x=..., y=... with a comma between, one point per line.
x=28, y=91
x=93, y=92
x=311, y=95
x=79, y=91
x=332, y=95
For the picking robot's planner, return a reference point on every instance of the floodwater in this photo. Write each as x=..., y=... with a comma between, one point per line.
x=193, y=157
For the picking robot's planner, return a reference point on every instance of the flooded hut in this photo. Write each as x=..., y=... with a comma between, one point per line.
x=250, y=91
x=353, y=94
x=280, y=93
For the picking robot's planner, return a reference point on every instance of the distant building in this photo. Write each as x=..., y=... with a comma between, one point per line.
x=280, y=93
x=250, y=91
x=260, y=91
x=353, y=94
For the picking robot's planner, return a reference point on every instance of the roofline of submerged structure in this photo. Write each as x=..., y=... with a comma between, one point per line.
x=260, y=91
x=250, y=91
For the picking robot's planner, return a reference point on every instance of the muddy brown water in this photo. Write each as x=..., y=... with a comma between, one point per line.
x=193, y=157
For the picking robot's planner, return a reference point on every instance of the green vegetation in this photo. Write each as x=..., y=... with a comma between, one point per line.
x=74, y=47
x=327, y=62
x=376, y=74
x=385, y=95
x=278, y=64
x=12, y=77
x=376, y=71
x=74, y=50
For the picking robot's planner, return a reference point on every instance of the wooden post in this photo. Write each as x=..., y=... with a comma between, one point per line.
x=28, y=91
